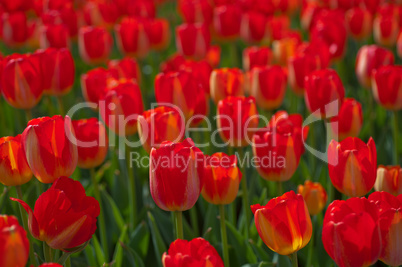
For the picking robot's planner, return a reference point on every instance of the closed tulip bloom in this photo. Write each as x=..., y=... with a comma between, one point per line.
x=314, y=195
x=256, y=57
x=317, y=47
x=226, y=21
x=237, y=120
x=349, y=121
x=95, y=44
x=201, y=70
x=100, y=13
x=268, y=86
x=158, y=125
x=92, y=142
x=390, y=222
x=370, y=58
x=14, y=169
x=279, y=146
x=64, y=216
x=49, y=149
x=126, y=68
x=385, y=29
x=359, y=22
x=324, y=93
x=253, y=27
x=197, y=252
x=121, y=107
x=284, y=48
x=221, y=179
x=389, y=179
x=387, y=86
x=277, y=25
x=56, y=36
x=159, y=34
x=284, y=223
x=67, y=16
x=352, y=166
x=21, y=82
x=195, y=11
x=141, y=8
x=15, y=30
x=351, y=234
x=14, y=244
x=132, y=38
x=193, y=40
x=176, y=175
x=226, y=82
x=94, y=84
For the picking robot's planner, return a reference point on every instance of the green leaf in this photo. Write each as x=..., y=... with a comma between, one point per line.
x=98, y=251
x=241, y=246
x=140, y=239
x=133, y=257
x=111, y=205
x=157, y=240
x=118, y=252
x=89, y=253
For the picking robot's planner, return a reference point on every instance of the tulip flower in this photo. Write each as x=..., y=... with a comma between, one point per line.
x=21, y=82
x=58, y=69
x=226, y=82
x=284, y=223
x=173, y=63
x=279, y=146
x=14, y=244
x=195, y=11
x=399, y=45
x=213, y=56
x=253, y=27
x=390, y=223
x=237, y=120
x=94, y=84
x=14, y=169
x=318, y=47
x=121, y=107
x=100, y=13
x=284, y=48
x=66, y=15
x=159, y=34
x=64, y=216
x=141, y=8
x=389, y=179
x=256, y=57
x=370, y=58
x=359, y=22
x=132, y=38
x=352, y=166
x=387, y=86
x=15, y=29
x=277, y=25
x=197, y=252
x=126, y=68
x=95, y=44
x=268, y=86
x=56, y=36
x=314, y=195
x=201, y=70
x=158, y=125
x=192, y=40
x=351, y=233
x=49, y=147
x=349, y=121
x=226, y=21
x=385, y=29
x=92, y=142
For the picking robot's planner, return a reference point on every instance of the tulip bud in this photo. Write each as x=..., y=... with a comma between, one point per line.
x=15, y=31
x=192, y=40
x=195, y=11
x=126, y=68
x=253, y=27
x=94, y=84
x=226, y=21
x=385, y=29
x=389, y=179
x=14, y=244
x=284, y=223
x=359, y=22
x=349, y=121
x=176, y=175
x=350, y=233
x=226, y=82
x=198, y=252
x=314, y=195
x=387, y=86
x=352, y=166
x=95, y=44
x=221, y=179
x=56, y=36
x=254, y=56
x=132, y=38
x=73, y=215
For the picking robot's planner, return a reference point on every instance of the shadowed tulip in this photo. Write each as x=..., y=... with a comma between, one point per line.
x=349, y=121
x=314, y=195
x=359, y=22
x=389, y=179
x=226, y=82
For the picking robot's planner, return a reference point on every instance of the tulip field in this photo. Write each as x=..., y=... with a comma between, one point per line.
x=200, y=133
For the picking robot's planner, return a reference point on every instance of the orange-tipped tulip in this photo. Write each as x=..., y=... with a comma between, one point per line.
x=49, y=148
x=387, y=86
x=314, y=195
x=352, y=166
x=221, y=179
x=226, y=82
x=256, y=57
x=95, y=44
x=389, y=179
x=349, y=121
x=284, y=223
x=192, y=40
x=284, y=48
x=132, y=38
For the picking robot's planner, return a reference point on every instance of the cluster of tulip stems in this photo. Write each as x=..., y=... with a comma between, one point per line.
x=257, y=105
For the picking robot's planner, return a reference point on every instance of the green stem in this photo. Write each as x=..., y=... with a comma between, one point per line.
x=194, y=220
x=279, y=188
x=311, y=244
x=60, y=104
x=131, y=190
x=28, y=114
x=64, y=258
x=101, y=221
x=68, y=262
x=395, y=133
x=47, y=251
x=224, y=236
x=294, y=259
x=25, y=225
x=246, y=206
x=179, y=224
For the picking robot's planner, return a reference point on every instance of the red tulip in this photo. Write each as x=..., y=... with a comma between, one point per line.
x=95, y=44
x=309, y=14
x=141, y=8
x=349, y=121
x=314, y=195
x=14, y=244
x=126, y=68
x=195, y=11
x=15, y=31
x=389, y=179
x=284, y=223
x=268, y=86
x=173, y=63
x=14, y=169
x=276, y=26
x=359, y=22
x=201, y=70
x=56, y=36
x=158, y=125
x=385, y=29
x=387, y=86
x=256, y=57
x=278, y=147
x=67, y=16
x=221, y=179
x=399, y=44
x=121, y=107
x=226, y=82
x=192, y=40
x=370, y=58
x=197, y=252
x=226, y=21
x=92, y=142
x=63, y=217
x=324, y=93
x=94, y=84
x=213, y=56
x=100, y=13
x=318, y=47
x=132, y=38
x=22, y=81
x=352, y=166
x=285, y=48
x=159, y=34
x=350, y=233
x=18, y=5
x=176, y=175
x=49, y=149
x=253, y=27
